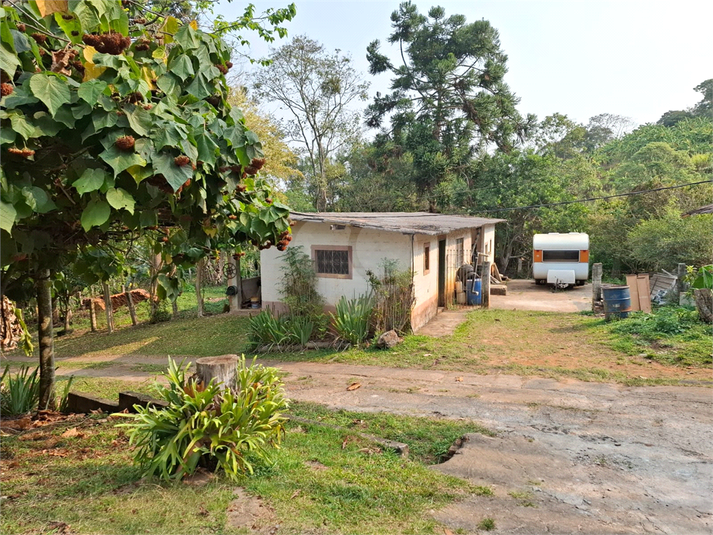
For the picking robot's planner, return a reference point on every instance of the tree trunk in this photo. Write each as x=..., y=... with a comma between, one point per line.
x=704, y=304
x=107, y=307
x=92, y=315
x=223, y=369
x=220, y=278
x=67, y=317
x=154, y=268
x=46, y=339
x=130, y=304
x=199, y=283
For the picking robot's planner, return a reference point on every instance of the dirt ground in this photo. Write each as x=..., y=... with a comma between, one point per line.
x=569, y=457
x=526, y=295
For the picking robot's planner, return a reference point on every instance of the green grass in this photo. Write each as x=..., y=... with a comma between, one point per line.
x=323, y=480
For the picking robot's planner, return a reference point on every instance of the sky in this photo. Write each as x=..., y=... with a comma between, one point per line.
x=580, y=58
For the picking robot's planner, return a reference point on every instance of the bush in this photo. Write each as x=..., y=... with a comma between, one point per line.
x=666, y=321
x=19, y=394
x=205, y=426
x=393, y=298
x=352, y=319
x=269, y=330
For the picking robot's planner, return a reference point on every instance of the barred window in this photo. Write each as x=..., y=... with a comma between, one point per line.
x=460, y=252
x=332, y=261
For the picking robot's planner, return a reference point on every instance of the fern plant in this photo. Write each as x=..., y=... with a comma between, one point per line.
x=204, y=425
x=352, y=318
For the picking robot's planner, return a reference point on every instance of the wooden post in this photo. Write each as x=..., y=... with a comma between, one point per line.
x=681, y=272
x=130, y=304
x=223, y=369
x=519, y=268
x=199, y=284
x=107, y=307
x=233, y=281
x=485, y=282
x=46, y=339
x=596, y=284
x=92, y=315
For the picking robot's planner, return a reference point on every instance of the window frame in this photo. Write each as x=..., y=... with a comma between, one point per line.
x=348, y=248
x=426, y=258
x=460, y=252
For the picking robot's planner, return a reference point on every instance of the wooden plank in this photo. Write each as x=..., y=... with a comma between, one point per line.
x=642, y=283
x=631, y=282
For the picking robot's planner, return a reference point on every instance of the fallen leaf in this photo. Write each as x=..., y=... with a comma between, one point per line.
x=344, y=444
x=459, y=379
x=295, y=494
x=447, y=531
x=353, y=386
x=202, y=511
x=69, y=433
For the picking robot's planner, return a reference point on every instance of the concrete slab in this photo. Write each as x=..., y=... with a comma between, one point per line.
x=527, y=295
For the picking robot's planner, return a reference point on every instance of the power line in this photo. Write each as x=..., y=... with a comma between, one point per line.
x=592, y=199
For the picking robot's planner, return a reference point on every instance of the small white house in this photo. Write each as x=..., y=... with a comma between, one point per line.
x=345, y=245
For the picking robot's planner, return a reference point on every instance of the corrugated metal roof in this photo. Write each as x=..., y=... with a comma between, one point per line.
x=404, y=222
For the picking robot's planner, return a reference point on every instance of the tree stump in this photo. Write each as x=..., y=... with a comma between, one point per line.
x=224, y=369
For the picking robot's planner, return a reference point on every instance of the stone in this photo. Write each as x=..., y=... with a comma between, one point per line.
x=388, y=340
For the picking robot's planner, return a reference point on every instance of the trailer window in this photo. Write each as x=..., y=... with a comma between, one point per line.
x=560, y=256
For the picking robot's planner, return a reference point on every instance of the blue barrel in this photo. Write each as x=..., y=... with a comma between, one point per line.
x=474, y=291
x=617, y=301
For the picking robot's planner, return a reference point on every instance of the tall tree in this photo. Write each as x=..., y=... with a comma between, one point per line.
x=318, y=90
x=115, y=123
x=449, y=99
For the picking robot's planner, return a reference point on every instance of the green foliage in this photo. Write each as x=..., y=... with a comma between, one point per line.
x=449, y=96
x=701, y=277
x=19, y=393
x=352, y=318
x=229, y=428
x=664, y=322
x=663, y=243
x=394, y=296
x=299, y=288
x=63, y=401
x=269, y=330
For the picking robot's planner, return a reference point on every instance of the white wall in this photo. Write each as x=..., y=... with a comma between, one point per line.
x=487, y=242
x=369, y=248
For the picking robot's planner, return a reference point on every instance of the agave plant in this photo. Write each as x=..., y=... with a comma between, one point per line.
x=352, y=318
x=266, y=329
x=19, y=393
x=209, y=425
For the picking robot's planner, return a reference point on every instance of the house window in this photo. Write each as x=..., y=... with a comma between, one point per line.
x=460, y=252
x=426, y=258
x=332, y=261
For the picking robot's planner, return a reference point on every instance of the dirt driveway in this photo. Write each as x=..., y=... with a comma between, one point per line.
x=570, y=457
x=526, y=295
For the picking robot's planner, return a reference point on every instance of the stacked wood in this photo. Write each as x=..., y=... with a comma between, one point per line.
x=10, y=328
x=118, y=300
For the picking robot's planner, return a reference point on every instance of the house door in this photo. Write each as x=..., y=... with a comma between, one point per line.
x=441, y=273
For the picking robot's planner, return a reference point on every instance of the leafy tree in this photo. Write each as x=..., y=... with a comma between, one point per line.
x=115, y=123
x=318, y=90
x=449, y=99
x=704, y=108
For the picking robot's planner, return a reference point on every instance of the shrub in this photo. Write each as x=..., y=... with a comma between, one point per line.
x=393, y=298
x=299, y=288
x=666, y=321
x=204, y=425
x=19, y=394
x=352, y=319
x=266, y=329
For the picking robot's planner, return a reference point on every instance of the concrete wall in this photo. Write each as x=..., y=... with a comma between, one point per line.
x=486, y=243
x=369, y=249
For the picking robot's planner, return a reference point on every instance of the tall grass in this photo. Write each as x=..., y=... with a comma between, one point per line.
x=19, y=393
x=352, y=318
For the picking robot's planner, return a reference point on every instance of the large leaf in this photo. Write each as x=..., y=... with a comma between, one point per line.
x=208, y=150
x=169, y=135
x=175, y=175
x=119, y=198
x=7, y=216
x=89, y=91
x=91, y=180
x=22, y=126
x=43, y=202
x=8, y=61
x=51, y=90
x=95, y=214
x=47, y=7
x=169, y=85
x=181, y=66
x=140, y=121
x=120, y=160
x=186, y=37
x=199, y=88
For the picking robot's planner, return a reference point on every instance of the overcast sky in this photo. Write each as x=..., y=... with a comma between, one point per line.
x=581, y=58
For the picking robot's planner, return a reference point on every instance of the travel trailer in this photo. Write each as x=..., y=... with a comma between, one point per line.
x=560, y=259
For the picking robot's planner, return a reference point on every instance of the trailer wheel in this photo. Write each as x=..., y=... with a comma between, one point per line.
x=580, y=283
